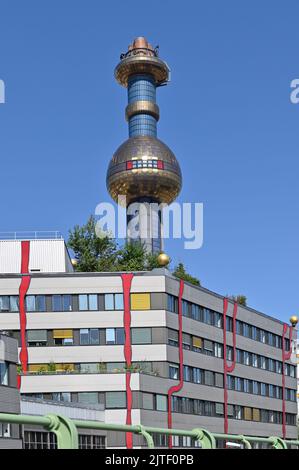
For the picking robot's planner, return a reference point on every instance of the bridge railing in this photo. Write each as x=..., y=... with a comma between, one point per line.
x=66, y=431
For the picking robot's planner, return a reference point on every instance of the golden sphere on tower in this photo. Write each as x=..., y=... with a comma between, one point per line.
x=294, y=320
x=163, y=259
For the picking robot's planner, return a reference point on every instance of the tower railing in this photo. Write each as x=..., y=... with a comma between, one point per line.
x=66, y=431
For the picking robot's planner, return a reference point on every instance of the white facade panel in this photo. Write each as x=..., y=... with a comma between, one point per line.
x=77, y=383
x=10, y=256
x=76, y=320
x=48, y=256
x=76, y=284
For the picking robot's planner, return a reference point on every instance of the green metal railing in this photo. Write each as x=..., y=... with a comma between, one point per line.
x=66, y=432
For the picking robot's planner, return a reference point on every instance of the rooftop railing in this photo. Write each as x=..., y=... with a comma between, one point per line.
x=66, y=431
x=34, y=235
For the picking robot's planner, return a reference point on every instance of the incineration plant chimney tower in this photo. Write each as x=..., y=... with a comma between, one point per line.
x=143, y=168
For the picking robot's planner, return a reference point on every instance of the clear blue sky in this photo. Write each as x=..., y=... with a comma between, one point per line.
x=226, y=115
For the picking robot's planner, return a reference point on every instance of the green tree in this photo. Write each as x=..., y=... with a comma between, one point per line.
x=240, y=299
x=92, y=252
x=180, y=273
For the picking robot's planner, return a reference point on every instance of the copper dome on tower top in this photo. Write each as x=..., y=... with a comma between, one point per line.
x=141, y=58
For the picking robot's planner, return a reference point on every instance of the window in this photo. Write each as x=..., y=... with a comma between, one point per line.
x=62, y=396
x=207, y=316
x=116, y=400
x=62, y=303
x=172, y=303
x=91, y=442
x=239, y=327
x=140, y=301
x=209, y=377
x=115, y=366
x=218, y=320
x=37, y=338
x=208, y=408
x=218, y=380
x=197, y=375
x=91, y=367
x=115, y=336
x=208, y=347
x=141, y=335
x=247, y=330
x=4, y=430
x=238, y=384
x=195, y=312
x=255, y=387
x=4, y=303
x=91, y=398
x=185, y=308
x=89, y=336
x=114, y=302
x=237, y=412
x=254, y=360
x=219, y=409
x=218, y=350
x=247, y=414
x=247, y=385
x=187, y=373
x=39, y=440
x=262, y=336
x=148, y=401
x=14, y=303
x=174, y=371
x=229, y=324
x=3, y=373
x=63, y=337
x=230, y=382
x=229, y=353
x=161, y=403
x=256, y=414
x=35, y=303
x=88, y=302
x=196, y=343
x=186, y=341
x=173, y=337
x=247, y=357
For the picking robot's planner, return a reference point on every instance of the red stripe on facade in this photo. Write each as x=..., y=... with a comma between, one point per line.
x=23, y=289
x=285, y=357
x=179, y=386
x=228, y=368
x=127, y=282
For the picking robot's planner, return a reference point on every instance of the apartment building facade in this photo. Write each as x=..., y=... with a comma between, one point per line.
x=149, y=348
x=9, y=393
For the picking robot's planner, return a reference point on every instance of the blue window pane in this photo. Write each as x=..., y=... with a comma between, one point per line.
x=67, y=303
x=93, y=302
x=119, y=302
x=4, y=303
x=30, y=303
x=40, y=303
x=83, y=302
x=84, y=336
x=56, y=303
x=94, y=335
x=109, y=304
x=120, y=336
x=14, y=303
x=110, y=336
